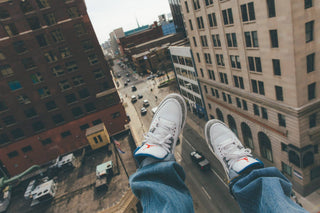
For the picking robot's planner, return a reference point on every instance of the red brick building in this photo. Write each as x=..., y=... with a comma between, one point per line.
x=54, y=82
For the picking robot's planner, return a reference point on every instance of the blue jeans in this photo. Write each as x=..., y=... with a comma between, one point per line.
x=160, y=188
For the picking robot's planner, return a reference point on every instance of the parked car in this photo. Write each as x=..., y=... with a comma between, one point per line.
x=127, y=74
x=146, y=103
x=125, y=84
x=143, y=111
x=140, y=96
x=119, y=76
x=200, y=160
x=133, y=99
x=133, y=88
x=154, y=109
x=128, y=80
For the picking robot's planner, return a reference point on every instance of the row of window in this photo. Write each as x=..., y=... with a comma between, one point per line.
x=242, y=104
x=186, y=73
x=182, y=60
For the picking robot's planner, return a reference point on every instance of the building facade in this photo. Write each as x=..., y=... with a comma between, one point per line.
x=186, y=76
x=54, y=82
x=175, y=7
x=257, y=68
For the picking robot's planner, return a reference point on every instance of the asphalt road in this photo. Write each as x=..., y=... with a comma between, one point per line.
x=208, y=189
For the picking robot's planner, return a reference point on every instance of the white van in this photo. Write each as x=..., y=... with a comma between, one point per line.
x=154, y=109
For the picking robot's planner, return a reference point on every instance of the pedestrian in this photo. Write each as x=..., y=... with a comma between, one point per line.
x=159, y=181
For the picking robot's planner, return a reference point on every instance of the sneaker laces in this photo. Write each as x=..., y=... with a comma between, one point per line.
x=160, y=135
x=232, y=152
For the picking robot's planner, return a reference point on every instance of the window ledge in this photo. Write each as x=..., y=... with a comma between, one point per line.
x=255, y=72
x=252, y=48
x=249, y=22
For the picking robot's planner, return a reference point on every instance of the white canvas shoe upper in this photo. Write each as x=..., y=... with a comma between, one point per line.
x=165, y=128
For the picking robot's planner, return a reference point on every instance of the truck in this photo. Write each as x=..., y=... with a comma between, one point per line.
x=104, y=173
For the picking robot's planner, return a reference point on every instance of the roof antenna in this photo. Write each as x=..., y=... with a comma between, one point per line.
x=137, y=22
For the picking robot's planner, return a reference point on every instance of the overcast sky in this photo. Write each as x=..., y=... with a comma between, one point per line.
x=107, y=15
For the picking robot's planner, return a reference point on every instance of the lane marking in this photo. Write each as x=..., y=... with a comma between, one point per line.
x=205, y=192
x=188, y=143
x=178, y=157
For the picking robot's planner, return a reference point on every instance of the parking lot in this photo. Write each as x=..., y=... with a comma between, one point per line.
x=76, y=187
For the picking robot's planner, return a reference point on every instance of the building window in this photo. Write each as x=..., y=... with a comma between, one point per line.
x=238, y=82
x=307, y=159
x=19, y=47
x=23, y=99
x=279, y=93
x=44, y=92
x=238, y=102
x=80, y=29
x=36, y=78
x=198, y=56
x=313, y=120
x=212, y=20
x=284, y=147
x=276, y=67
x=77, y=80
x=255, y=64
x=204, y=41
x=93, y=59
x=229, y=99
x=64, y=85
x=17, y=133
x=11, y=29
x=235, y=61
x=42, y=40
x=28, y=63
x=211, y=75
x=42, y=3
x=205, y=89
x=71, y=66
x=57, y=36
x=245, y=106
x=294, y=158
x=190, y=23
x=6, y=70
x=84, y=93
x=256, y=110
x=216, y=40
x=282, y=120
x=26, y=6
x=96, y=122
x=219, y=115
x=58, y=119
x=26, y=149
x=274, y=38
x=271, y=8
x=84, y=126
x=307, y=4
x=231, y=39
x=186, y=5
x=13, y=154
x=38, y=126
x=87, y=45
x=207, y=57
x=310, y=62
x=4, y=138
x=220, y=61
x=51, y=105
x=209, y=2
x=65, y=52
x=196, y=4
x=227, y=16
x=309, y=31
x=73, y=12
x=3, y=106
x=258, y=87
x=264, y=113
x=311, y=91
x=9, y=120
x=200, y=22
x=14, y=85
x=50, y=57
x=201, y=71
x=247, y=11
x=286, y=169
x=65, y=134
x=46, y=141
x=213, y=92
x=223, y=78
x=194, y=41
x=217, y=93
x=265, y=146
x=209, y=105
x=90, y=107
x=57, y=71
x=34, y=23
x=251, y=39
x=71, y=98
x=4, y=13
x=30, y=113
x=50, y=19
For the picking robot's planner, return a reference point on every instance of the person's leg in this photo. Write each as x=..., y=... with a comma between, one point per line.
x=159, y=181
x=256, y=189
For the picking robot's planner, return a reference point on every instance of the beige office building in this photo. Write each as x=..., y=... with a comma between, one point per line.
x=258, y=69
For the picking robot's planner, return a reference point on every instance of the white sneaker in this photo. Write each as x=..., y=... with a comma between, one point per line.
x=225, y=145
x=165, y=128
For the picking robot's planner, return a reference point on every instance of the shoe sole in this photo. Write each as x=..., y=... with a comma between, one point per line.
x=207, y=130
x=183, y=105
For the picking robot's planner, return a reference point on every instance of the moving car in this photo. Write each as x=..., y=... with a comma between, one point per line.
x=133, y=99
x=140, y=96
x=200, y=160
x=146, y=103
x=133, y=88
x=143, y=111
